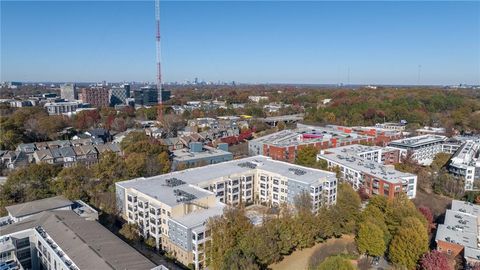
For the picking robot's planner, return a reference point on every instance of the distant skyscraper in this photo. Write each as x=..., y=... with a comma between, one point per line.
x=68, y=91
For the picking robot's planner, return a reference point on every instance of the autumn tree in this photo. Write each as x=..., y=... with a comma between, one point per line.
x=434, y=260
x=427, y=213
x=227, y=232
x=131, y=232
x=409, y=243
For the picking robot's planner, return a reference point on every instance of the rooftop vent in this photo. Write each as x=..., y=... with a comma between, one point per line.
x=247, y=164
x=183, y=196
x=297, y=171
x=173, y=182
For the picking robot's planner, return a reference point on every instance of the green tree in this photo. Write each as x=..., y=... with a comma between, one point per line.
x=370, y=239
x=347, y=209
x=74, y=182
x=409, y=243
x=337, y=263
x=307, y=156
x=109, y=169
x=30, y=183
x=164, y=162
x=136, y=165
x=439, y=161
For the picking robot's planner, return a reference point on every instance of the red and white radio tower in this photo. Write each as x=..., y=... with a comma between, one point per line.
x=159, y=67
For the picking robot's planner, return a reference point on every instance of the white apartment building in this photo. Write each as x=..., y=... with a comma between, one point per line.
x=465, y=163
x=362, y=167
x=422, y=149
x=174, y=208
x=59, y=108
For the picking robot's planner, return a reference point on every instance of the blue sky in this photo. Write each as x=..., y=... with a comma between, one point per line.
x=251, y=42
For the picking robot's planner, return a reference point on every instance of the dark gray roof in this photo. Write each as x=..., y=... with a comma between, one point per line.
x=67, y=151
x=87, y=243
x=30, y=208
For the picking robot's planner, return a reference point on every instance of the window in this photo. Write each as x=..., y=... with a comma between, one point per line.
x=275, y=181
x=129, y=198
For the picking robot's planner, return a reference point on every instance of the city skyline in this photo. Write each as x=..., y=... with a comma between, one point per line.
x=247, y=42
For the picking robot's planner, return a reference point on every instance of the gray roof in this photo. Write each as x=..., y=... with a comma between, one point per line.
x=87, y=243
x=66, y=151
x=466, y=207
x=30, y=208
x=182, y=155
x=156, y=186
x=417, y=141
x=200, y=217
x=369, y=167
x=448, y=234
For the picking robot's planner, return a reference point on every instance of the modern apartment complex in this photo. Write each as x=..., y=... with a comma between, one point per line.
x=56, y=233
x=459, y=234
x=465, y=163
x=146, y=96
x=174, y=208
x=422, y=149
x=362, y=167
x=284, y=145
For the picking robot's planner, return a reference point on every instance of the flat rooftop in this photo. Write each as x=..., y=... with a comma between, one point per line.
x=34, y=207
x=307, y=135
x=157, y=187
x=386, y=173
x=200, y=217
x=417, y=141
x=466, y=154
x=207, y=152
x=466, y=207
x=87, y=243
x=354, y=149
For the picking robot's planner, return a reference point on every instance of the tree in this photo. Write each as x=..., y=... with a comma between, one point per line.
x=370, y=239
x=227, y=233
x=30, y=183
x=151, y=243
x=164, y=161
x=109, y=169
x=434, y=260
x=337, y=263
x=136, y=165
x=440, y=161
x=307, y=156
x=131, y=232
x=74, y=183
x=409, y=243
x=235, y=259
x=427, y=213
x=346, y=210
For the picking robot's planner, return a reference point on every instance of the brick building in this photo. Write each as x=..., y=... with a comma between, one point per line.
x=284, y=145
x=97, y=97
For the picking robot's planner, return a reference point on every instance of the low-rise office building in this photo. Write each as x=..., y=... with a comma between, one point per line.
x=59, y=108
x=60, y=234
x=459, y=234
x=422, y=149
x=174, y=208
x=362, y=167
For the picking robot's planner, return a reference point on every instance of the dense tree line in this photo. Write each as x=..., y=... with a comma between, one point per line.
x=143, y=156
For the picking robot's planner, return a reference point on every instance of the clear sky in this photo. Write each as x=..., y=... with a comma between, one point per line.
x=251, y=42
